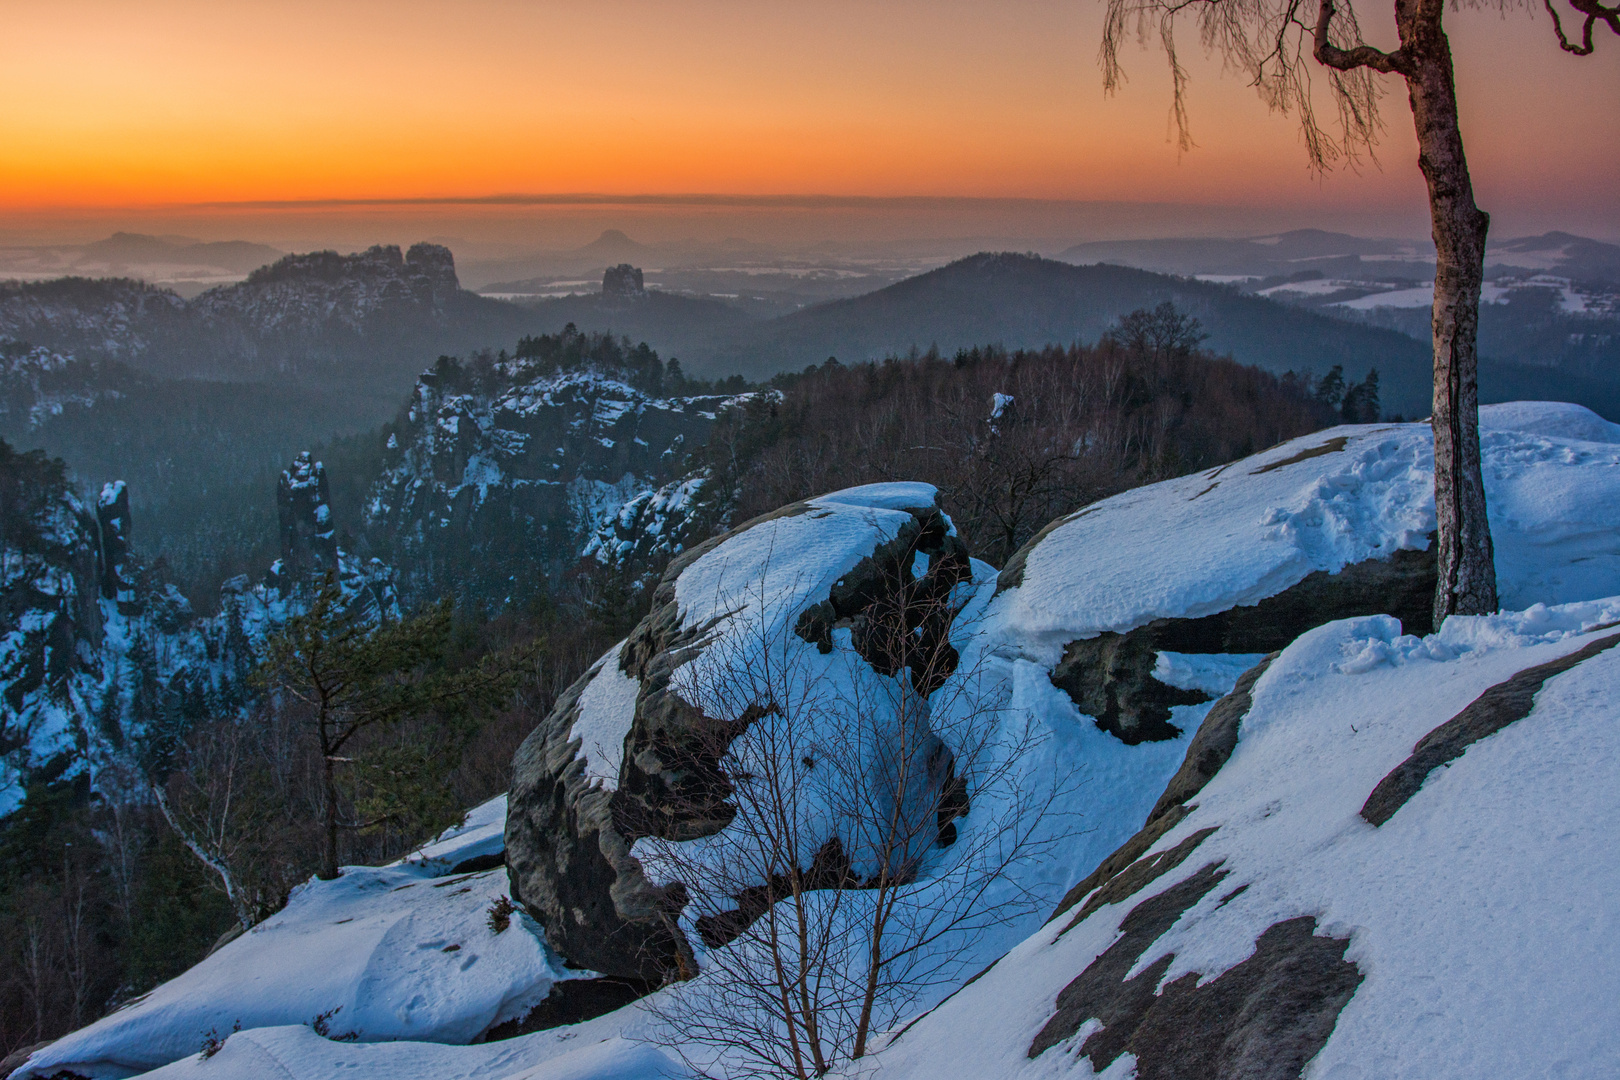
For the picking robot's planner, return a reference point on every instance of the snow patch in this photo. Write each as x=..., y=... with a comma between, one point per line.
x=607, y=708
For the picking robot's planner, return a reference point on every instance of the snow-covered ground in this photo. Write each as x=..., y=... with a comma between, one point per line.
x=1481, y=916
x=1571, y=299
x=1242, y=532
x=380, y=954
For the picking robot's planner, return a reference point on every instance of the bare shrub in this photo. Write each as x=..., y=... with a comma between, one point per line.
x=880, y=804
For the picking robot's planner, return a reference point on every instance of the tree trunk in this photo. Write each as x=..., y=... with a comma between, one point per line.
x=329, y=847
x=1465, y=561
x=214, y=863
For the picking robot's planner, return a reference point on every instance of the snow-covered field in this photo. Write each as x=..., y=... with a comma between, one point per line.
x=1481, y=917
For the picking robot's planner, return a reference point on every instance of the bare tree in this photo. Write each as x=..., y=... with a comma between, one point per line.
x=1273, y=43
x=232, y=794
x=878, y=803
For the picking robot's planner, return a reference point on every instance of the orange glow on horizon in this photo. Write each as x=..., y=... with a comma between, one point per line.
x=112, y=104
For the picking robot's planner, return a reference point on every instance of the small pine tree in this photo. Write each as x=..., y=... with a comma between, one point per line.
x=1330, y=387
x=346, y=677
x=1360, y=405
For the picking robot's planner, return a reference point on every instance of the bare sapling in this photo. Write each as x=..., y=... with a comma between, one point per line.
x=880, y=807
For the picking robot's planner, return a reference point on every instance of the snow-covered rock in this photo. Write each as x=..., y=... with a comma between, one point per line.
x=622, y=747
x=1468, y=933
x=379, y=954
x=1245, y=557
x=1233, y=536
x=1378, y=853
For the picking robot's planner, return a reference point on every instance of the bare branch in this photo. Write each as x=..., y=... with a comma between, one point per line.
x=1595, y=12
x=1275, y=44
x=1330, y=55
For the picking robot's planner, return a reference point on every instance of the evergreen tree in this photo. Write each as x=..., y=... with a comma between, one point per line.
x=347, y=679
x=1360, y=405
x=1330, y=388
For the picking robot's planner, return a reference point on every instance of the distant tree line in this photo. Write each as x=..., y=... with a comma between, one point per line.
x=1013, y=439
x=572, y=350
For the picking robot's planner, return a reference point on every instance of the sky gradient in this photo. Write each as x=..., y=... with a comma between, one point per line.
x=112, y=106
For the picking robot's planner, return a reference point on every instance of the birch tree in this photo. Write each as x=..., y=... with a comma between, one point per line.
x=1281, y=45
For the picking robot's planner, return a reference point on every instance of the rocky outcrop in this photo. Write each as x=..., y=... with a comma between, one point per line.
x=1110, y=677
x=510, y=474
x=50, y=613
x=623, y=282
x=113, y=527
x=303, y=506
x=310, y=553
x=322, y=315
x=305, y=294
x=95, y=647
x=568, y=836
x=568, y=840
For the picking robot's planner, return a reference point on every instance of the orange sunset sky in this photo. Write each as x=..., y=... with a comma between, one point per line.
x=117, y=114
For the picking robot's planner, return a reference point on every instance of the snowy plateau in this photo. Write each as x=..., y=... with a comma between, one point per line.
x=1299, y=830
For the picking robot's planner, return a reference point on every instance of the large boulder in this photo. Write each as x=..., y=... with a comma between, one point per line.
x=1127, y=600
x=627, y=754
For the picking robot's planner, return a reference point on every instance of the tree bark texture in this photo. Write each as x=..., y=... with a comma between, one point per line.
x=1467, y=573
x=1466, y=583
x=329, y=841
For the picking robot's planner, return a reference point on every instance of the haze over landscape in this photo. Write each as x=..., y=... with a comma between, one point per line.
x=701, y=541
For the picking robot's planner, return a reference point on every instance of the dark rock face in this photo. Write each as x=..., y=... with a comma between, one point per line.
x=568, y=843
x=1505, y=703
x=14, y=1060
x=572, y=1001
x=435, y=266
x=52, y=552
x=113, y=523
x=881, y=595
x=623, y=282
x=572, y=869
x=1110, y=676
x=303, y=505
x=1263, y=1019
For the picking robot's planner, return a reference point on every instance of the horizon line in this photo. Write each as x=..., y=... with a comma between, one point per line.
x=806, y=200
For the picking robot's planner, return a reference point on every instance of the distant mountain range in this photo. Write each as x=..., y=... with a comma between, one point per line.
x=1317, y=253
x=366, y=322
x=181, y=263
x=198, y=402
x=1026, y=301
